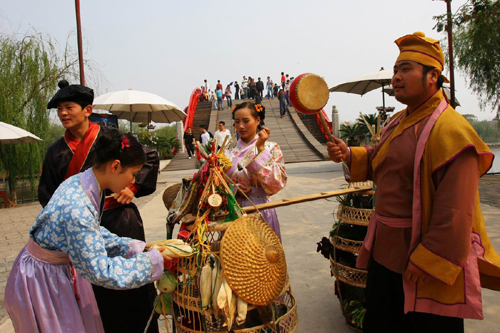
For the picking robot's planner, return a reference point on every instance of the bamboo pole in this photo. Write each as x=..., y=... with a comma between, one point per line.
x=305, y=198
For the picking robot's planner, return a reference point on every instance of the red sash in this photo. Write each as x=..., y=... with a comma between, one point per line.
x=80, y=148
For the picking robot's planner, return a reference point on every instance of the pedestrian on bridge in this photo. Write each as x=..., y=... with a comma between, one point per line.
x=213, y=98
x=244, y=85
x=287, y=92
x=236, y=90
x=189, y=142
x=220, y=104
x=260, y=88
x=221, y=134
x=206, y=87
x=252, y=87
x=269, y=86
x=282, y=99
x=218, y=86
x=228, y=96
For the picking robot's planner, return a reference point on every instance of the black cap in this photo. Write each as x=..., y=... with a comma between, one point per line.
x=72, y=93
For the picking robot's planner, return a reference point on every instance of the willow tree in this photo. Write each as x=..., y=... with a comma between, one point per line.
x=30, y=68
x=476, y=39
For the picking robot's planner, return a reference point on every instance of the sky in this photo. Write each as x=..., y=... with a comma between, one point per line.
x=169, y=47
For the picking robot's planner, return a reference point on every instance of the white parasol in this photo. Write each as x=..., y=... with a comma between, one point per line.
x=366, y=83
x=139, y=106
x=10, y=134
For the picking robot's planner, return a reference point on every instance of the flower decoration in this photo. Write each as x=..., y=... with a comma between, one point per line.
x=259, y=107
x=125, y=143
x=234, y=108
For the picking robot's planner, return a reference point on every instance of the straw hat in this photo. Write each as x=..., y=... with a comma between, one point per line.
x=253, y=261
x=170, y=194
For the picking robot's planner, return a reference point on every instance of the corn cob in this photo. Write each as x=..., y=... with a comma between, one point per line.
x=242, y=311
x=216, y=283
x=175, y=251
x=206, y=289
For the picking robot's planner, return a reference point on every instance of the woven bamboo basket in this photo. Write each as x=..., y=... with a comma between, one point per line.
x=357, y=216
x=346, y=244
x=352, y=276
x=287, y=323
x=186, y=298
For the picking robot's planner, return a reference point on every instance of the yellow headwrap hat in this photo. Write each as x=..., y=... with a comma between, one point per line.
x=421, y=49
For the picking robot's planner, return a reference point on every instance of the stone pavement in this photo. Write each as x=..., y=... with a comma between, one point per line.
x=302, y=226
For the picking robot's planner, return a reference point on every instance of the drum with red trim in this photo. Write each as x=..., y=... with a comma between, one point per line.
x=309, y=93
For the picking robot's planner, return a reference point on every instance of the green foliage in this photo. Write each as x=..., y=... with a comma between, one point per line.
x=29, y=71
x=476, y=39
x=56, y=131
x=489, y=131
x=356, y=311
x=470, y=117
x=371, y=119
x=350, y=131
x=167, y=147
x=165, y=141
x=124, y=125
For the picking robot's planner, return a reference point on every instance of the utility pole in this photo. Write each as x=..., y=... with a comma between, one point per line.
x=79, y=36
x=450, y=52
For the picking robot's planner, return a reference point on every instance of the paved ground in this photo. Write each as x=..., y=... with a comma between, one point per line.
x=301, y=226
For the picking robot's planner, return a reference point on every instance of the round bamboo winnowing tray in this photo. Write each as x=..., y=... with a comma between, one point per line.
x=253, y=261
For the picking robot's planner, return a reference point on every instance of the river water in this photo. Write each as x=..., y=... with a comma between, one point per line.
x=496, y=161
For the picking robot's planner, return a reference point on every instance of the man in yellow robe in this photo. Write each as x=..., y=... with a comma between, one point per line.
x=426, y=250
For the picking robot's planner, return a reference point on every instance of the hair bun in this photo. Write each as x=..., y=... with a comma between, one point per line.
x=63, y=84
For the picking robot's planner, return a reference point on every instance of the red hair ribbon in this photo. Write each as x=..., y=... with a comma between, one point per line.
x=125, y=143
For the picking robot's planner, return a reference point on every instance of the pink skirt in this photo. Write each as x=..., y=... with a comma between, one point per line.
x=40, y=294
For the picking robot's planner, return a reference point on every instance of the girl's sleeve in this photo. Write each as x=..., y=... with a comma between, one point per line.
x=87, y=246
x=268, y=169
x=117, y=246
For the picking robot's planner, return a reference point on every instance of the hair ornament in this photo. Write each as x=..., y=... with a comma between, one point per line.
x=125, y=143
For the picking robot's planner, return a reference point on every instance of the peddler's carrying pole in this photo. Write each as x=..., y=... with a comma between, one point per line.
x=305, y=198
x=79, y=36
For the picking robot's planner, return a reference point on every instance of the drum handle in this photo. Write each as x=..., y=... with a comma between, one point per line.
x=325, y=126
x=327, y=130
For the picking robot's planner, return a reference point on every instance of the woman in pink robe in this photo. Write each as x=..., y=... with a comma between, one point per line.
x=258, y=167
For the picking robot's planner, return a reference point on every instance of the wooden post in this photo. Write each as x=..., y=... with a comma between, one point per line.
x=79, y=36
x=450, y=52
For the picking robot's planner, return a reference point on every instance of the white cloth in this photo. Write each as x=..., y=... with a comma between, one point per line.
x=205, y=138
x=220, y=136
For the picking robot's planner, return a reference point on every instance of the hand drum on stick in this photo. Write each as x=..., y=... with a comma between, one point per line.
x=308, y=95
